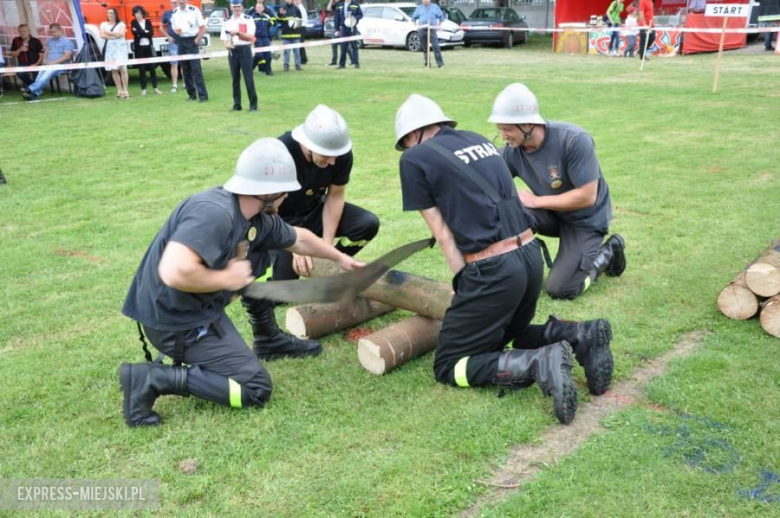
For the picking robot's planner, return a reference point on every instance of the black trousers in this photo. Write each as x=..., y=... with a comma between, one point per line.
x=494, y=303
x=642, y=38
x=222, y=368
x=191, y=71
x=240, y=59
x=577, y=250
x=304, y=58
x=434, y=44
x=262, y=60
x=348, y=48
x=356, y=229
x=146, y=52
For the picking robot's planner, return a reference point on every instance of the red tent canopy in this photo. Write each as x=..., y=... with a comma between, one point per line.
x=572, y=11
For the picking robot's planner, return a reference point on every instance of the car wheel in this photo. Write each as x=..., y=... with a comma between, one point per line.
x=525, y=37
x=509, y=40
x=413, y=42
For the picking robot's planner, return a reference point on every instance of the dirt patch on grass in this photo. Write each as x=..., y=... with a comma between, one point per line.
x=525, y=461
x=77, y=253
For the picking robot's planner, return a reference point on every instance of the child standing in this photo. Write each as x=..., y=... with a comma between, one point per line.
x=630, y=32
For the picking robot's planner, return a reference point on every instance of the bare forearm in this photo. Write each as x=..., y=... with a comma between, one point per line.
x=309, y=244
x=452, y=255
x=331, y=216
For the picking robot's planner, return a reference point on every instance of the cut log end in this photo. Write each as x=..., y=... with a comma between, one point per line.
x=295, y=323
x=737, y=302
x=770, y=316
x=763, y=279
x=369, y=356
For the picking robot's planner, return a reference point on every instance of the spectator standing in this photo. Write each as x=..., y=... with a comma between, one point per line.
x=429, y=14
x=348, y=15
x=769, y=16
x=613, y=13
x=238, y=35
x=28, y=52
x=166, y=28
x=630, y=32
x=189, y=26
x=646, y=34
x=264, y=21
x=304, y=19
x=290, y=16
x=335, y=46
x=143, y=32
x=59, y=49
x=115, y=50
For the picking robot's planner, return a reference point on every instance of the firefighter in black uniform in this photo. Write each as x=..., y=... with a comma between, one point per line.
x=464, y=192
x=191, y=272
x=290, y=17
x=263, y=23
x=322, y=152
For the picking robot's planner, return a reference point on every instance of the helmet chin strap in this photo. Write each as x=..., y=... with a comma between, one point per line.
x=528, y=135
x=419, y=138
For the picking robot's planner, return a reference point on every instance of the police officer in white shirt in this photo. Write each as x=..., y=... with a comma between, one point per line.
x=189, y=26
x=238, y=35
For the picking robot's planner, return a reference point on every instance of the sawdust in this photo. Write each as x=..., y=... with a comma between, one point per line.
x=526, y=461
x=355, y=334
x=188, y=466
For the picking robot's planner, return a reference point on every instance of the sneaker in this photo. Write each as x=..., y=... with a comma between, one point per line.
x=341, y=66
x=143, y=92
x=157, y=91
x=331, y=64
x=190, y=99
x=357, y=65
x=298, y=69
x=173, y=89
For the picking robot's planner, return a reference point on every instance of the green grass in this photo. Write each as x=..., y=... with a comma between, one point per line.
x=696, y=193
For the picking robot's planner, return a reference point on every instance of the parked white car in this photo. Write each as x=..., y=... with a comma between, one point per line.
x=391, y=25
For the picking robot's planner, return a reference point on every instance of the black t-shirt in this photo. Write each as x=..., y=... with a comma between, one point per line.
x=34, y=50
x=211, y=224
x=430, y=180
x=314, y=181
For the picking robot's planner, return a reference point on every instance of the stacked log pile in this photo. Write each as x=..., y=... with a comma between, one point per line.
x=756, y=289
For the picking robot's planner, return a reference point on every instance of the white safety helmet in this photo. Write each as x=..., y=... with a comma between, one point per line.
x=265, y=167
x=415, y=113
x=516, y=104
x=324, y=132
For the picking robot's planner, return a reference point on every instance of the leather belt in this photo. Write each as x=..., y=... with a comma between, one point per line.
x=502, y=247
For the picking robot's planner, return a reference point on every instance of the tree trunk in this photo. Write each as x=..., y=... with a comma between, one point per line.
x=413, y=293
x=763, y=275
x=737, y=301
x=316, y=320
x=770, y=316
x=394, y=345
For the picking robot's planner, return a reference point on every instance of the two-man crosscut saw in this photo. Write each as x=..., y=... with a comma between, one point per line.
x=339, y=288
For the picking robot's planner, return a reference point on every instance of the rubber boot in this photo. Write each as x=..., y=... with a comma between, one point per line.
x=590, y=341
x=142, y=383
x=611, y=258
x=270, y=343
x=550, y=367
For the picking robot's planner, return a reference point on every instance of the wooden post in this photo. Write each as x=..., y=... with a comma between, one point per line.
x=736, y=301
x=763, y=275
x=770, y=316
x=720, y=54
x=316, y=320
x=428, y=46
x=394, y=345
x=402, y=290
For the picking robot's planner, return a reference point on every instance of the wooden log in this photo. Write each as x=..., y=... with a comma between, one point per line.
x=413, y=293
x=316, y=320
x=737, y=301
x=397, y=344
x=763, y=275
x=770, y=316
